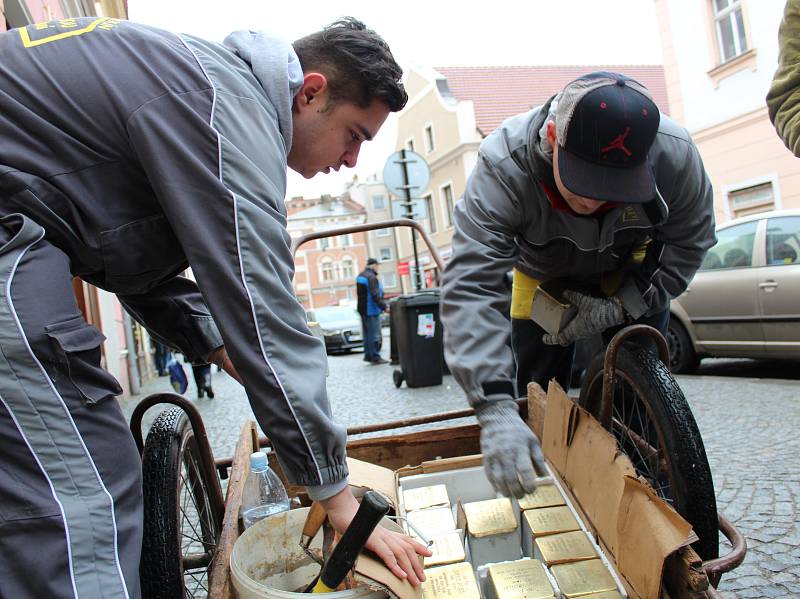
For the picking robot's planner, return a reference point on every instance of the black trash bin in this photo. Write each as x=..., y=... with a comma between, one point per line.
x=419, y=339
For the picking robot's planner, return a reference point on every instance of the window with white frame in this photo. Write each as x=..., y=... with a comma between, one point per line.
x=430, y=144
x=382, y=232
x=389, y=279
x=379, y=202
x=410, y=144
x=430, y=222
x=385, y=254
x=326, y=270
x=324, y=243
x=345, y=240
x=348, y=270
x=752, y=199
x=447, y=202
x=729, y=28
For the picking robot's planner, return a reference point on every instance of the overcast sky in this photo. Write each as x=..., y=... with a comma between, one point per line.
x=433, y=33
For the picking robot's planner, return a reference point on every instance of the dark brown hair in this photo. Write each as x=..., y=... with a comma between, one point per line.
x=356, y=61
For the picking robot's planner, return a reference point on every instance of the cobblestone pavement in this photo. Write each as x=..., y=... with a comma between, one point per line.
x=750, y=427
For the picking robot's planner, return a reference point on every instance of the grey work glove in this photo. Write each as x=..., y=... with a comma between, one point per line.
x=595, y=315
x=511, y=452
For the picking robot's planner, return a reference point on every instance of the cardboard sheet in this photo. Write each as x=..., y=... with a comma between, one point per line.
x=638, y=529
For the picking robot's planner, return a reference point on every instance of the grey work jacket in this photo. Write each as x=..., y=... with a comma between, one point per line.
x=142, y=153
x=506, y=221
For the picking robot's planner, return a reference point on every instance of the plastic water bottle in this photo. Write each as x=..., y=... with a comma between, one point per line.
x=263, y=494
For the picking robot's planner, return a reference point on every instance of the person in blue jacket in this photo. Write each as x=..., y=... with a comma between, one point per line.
x=370, y=306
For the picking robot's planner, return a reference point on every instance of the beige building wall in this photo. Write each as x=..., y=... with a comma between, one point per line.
x=722, y=105
x=450, y=126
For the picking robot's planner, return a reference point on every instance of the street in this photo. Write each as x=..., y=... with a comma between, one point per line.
x=745, y=411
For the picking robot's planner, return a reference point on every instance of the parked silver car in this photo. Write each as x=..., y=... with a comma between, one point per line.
x=744, y=301
x=339, y=326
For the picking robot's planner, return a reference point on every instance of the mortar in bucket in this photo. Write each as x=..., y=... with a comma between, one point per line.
x=267, y=561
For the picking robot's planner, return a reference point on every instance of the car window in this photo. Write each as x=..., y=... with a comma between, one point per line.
x=734, y=247
x=332, y=316
x=783, y=244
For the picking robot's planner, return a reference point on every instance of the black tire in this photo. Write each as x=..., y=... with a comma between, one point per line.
x=650, y=411
x=397, y=377
x=180, y=532
x=682, y=357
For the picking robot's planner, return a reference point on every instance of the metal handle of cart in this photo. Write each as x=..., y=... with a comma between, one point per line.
x=384, y=224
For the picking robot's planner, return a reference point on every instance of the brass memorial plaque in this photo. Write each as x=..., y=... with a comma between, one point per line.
x=425, y=497
x=456, y=581
x=490, y=517
x=583, y=578
x=523, y=579
x=565, y=547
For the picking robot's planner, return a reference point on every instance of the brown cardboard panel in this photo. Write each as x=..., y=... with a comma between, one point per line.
x=649, y=530
x=375, y=574
x=365, y=476
x=627, y=517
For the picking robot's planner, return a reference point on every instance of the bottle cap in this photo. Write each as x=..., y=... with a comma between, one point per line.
x=258, y=461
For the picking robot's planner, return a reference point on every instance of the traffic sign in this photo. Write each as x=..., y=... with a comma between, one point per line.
x=417, y=170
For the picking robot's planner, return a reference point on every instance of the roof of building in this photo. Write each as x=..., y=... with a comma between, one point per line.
x=332, y=209
x=501, y=92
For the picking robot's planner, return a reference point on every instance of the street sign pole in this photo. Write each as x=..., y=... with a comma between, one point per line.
x=406, y=175
x=410, y=214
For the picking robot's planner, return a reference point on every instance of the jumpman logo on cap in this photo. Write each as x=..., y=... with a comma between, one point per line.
x=618, y=143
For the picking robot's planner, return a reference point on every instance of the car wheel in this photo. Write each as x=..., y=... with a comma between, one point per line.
x=682, y=357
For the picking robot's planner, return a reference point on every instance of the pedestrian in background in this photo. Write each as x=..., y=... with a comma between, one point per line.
x=202, y=380
x=595, y=189
x=369, y=291
x=128, y=155
x=161, y=355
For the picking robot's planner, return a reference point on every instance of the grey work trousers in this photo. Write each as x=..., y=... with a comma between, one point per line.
x=70, y=474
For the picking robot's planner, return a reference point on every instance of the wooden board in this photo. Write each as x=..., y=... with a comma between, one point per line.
x=220, y=580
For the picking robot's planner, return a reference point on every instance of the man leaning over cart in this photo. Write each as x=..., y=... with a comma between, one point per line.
x=129, y=154
x=595, y=189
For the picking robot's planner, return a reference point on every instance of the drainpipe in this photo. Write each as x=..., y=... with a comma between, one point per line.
x=133, y=367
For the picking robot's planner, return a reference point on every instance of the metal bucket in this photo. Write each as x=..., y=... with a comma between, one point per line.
x=268, y=563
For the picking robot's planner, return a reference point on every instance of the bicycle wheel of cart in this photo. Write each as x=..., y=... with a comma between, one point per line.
x=654, y=426
x=180, y=533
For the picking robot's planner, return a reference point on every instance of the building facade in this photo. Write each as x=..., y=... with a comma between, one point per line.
x=381, y=243
x=719, y=59
x=326, y=269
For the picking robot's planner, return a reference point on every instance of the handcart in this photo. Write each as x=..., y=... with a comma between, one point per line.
x=191, y=526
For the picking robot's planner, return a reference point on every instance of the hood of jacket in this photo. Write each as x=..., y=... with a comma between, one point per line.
x=277, y=68
x=540, y=154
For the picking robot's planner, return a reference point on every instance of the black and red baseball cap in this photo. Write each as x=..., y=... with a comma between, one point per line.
x=605, y=125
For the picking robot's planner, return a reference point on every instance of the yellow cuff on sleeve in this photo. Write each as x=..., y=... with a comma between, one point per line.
x=522, y=293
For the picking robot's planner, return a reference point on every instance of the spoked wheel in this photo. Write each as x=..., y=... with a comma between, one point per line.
x=180, y=531
x=654, y=426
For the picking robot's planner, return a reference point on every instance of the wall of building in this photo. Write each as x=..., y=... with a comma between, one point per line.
x=690, y=39
x=723, y=106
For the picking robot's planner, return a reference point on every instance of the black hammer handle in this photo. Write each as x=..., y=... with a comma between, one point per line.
x=371, y=511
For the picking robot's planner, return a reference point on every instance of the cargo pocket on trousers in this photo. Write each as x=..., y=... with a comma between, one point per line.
x=77, y=345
